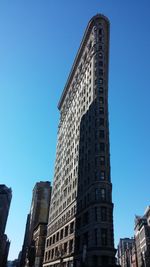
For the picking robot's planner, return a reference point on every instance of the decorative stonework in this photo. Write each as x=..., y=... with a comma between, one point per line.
x=82, y=191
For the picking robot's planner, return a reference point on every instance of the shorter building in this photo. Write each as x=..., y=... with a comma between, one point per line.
x=25, y=243
x=13, y=263
x=135, y=252
x=40, y=206
x=134, y=257
x=125, y=249
x=39, y=237
x=36, y=226
x=5, y=200
x=5, y=244
x=142, y=238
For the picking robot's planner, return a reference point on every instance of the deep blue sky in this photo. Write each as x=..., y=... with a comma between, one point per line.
x=38, y=42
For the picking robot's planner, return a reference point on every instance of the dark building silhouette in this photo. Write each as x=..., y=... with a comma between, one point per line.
x=13, y=263
x=4, y=250
x=25, y=243
x=80, y=228
x=5, y=200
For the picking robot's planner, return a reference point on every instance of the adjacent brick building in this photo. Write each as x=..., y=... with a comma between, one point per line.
x=135, y=252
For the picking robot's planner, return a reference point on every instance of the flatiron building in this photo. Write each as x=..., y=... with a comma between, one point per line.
x=80, y=227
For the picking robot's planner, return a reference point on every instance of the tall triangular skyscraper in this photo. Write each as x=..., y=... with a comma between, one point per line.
x=80, y=228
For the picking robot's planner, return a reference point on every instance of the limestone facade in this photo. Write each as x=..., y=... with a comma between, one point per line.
x=80, y=227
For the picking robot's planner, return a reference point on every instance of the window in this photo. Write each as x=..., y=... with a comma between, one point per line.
x=101, y=90
x=101, y=63
x=97, y=194
x=56, y=252
x=103, y=214
x=101, y=81
x=52, y=255
x=85, y=56
x=90, y=45
x=102, y=160
x=61, y=234
x=71, y=227
x=102, y=175
x=103, y=193
x=85, y=218
x=95, y=213
x=53, y=239
x=71, y=245
x=100, y=31
x=102, y=134
x=65, y=247
x=100, y=54
x=102, y=147
x=85, y=239
x=95, y=235
x=101, y=110
x=101, y=100
x=104, y=237
x=101, y=71
x=57, y=237
x=66, y=230
x=101, y=122
x=46, y=256
x=49, y=253
x=47, y=242
x=80, y=67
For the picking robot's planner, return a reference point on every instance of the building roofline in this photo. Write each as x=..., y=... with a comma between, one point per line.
x=147, y=210
x=77, y=58
x=39, y=224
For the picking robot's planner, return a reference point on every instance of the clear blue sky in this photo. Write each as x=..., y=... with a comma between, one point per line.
x=38, y=42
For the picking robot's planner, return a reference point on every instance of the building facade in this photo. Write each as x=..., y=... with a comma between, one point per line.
x=5, y=200
x=142, y=238
x=40, y=206
x=134, y=257
x=38, y=216
x=80, y=228
x=25, y=243
x=4, y=250
x=126, y=255
x=39, y=237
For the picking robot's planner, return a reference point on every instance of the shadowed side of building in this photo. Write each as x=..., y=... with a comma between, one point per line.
x=5, y=200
